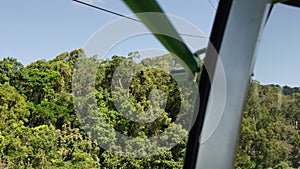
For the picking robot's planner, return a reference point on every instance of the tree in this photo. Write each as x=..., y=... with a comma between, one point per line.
x=13, y=107
x=11, y=71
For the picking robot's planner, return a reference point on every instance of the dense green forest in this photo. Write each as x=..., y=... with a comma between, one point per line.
x=39, y=127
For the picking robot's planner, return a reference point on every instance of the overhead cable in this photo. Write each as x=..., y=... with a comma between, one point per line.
x=127, y=17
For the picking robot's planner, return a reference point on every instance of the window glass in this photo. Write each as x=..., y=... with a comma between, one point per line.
x=270, y=130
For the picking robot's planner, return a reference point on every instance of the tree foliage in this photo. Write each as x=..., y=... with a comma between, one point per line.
x=40, y=128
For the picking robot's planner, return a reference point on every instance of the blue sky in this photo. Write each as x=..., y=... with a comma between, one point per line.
x=278, y=60
x=41, y=29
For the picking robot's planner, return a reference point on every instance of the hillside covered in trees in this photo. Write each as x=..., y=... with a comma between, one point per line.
x=40, y=128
